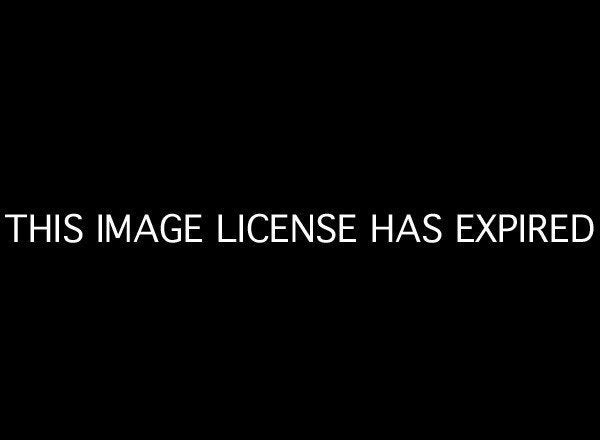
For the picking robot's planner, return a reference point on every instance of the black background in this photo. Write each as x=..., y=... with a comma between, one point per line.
x=386, y=112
